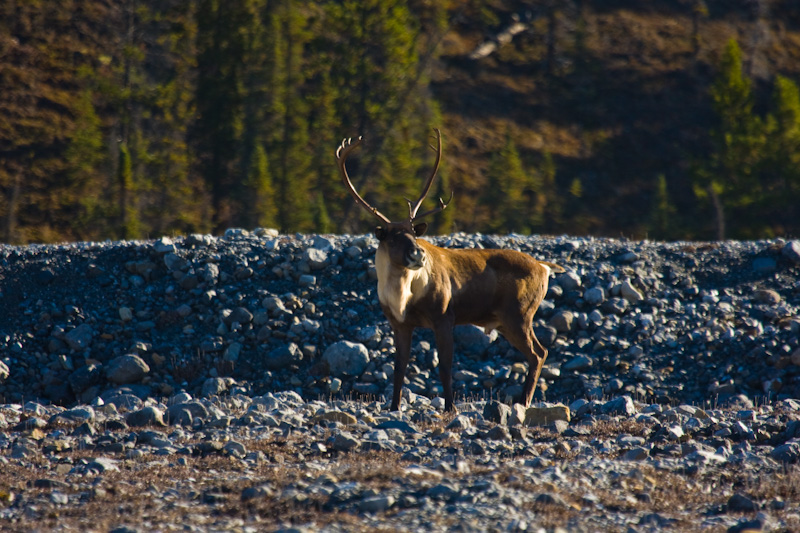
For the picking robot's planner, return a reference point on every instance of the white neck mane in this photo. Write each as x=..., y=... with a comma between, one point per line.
x=398, y=287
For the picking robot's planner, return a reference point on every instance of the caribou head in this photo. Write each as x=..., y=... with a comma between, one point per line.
x=398, y=238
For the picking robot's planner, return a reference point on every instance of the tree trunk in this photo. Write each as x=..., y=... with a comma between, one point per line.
x=719, y=212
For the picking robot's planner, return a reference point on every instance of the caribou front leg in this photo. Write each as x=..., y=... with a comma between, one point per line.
x=402, y=348
x=444, y=343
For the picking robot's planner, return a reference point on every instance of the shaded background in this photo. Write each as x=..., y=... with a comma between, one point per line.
x=658, y=119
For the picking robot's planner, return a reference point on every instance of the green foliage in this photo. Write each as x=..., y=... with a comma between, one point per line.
x=515, y=194
x=576, y=188
x=85, y=158
x=129, y=217
x=663, y=212
x=729, y=178
x=322, y=221
x=780, y=172
x=144, y=118
x=552, y=204
x=260, y=194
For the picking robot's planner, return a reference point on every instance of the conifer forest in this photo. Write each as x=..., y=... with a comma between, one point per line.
x=658, y=119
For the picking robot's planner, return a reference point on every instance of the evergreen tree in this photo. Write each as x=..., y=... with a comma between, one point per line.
x=129, y=219
x=290, y=161
x=514, y=194
x=781, y=166
x=173, y=196
x=222, y=30
x=42, y=93
x=663, y=211
x=552, y=206
x=260, y=206
x=727, y=178
x=86, y=160
x=382, y=96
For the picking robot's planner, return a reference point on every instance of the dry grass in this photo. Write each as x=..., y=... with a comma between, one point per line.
x=154, y=492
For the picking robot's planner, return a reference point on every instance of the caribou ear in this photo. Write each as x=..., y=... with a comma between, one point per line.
x=380, y=233
x=419, y=229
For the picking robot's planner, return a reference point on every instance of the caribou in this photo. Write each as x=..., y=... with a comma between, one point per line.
x=424, y=286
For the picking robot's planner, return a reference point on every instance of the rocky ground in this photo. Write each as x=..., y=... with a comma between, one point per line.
x=240, y=383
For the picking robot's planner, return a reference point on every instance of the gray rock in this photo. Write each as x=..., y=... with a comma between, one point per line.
x=85, y=377
x=369, y=334
x=345, y=442
x=499, y=433
x=283, y=357
x=261, y=492
x=180, y=416
x=594, y=296
x=175, y=263
x=73, y=417
x=767, y=296
x=547, y=335
x=214, y=386
x=376, y=504
x=129, y=368
x=242, y=315
x=742, y=503
x=497, y=412
x=307, y=280
x=459, y=422
x=122, y=400
x=630, y=293
x=80, y=337
x=317, y=259
x=346, y=358
x=164, y=245
x=638, y=453
x=232, y=352
x=322, y=243
x=615, y=306
x=791, y=252
x=622, y=405
x=568, y=281
x=193, y=407
x=400, y=425
x=234, y=449
x=786, y=453
x=471, y=340
x=542, y=416
x=578, y=363
x=443, y=492
x=103, y=464
x=562, y=321
x=147, y=416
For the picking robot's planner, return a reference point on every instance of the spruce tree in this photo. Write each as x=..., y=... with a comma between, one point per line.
x=781, y=166
x=728, y=177
x=514, y=197
x=260, y=209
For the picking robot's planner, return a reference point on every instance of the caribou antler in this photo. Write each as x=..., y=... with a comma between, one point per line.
x=412, y=209
x=348, y=146
x=341, y=156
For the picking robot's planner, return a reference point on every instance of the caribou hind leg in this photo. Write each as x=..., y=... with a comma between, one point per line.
x=519, y=333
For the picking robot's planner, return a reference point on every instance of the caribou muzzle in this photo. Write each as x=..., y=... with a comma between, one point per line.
x=415, y=258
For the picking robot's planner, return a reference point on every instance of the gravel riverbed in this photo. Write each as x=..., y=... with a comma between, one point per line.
x=240, y=383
